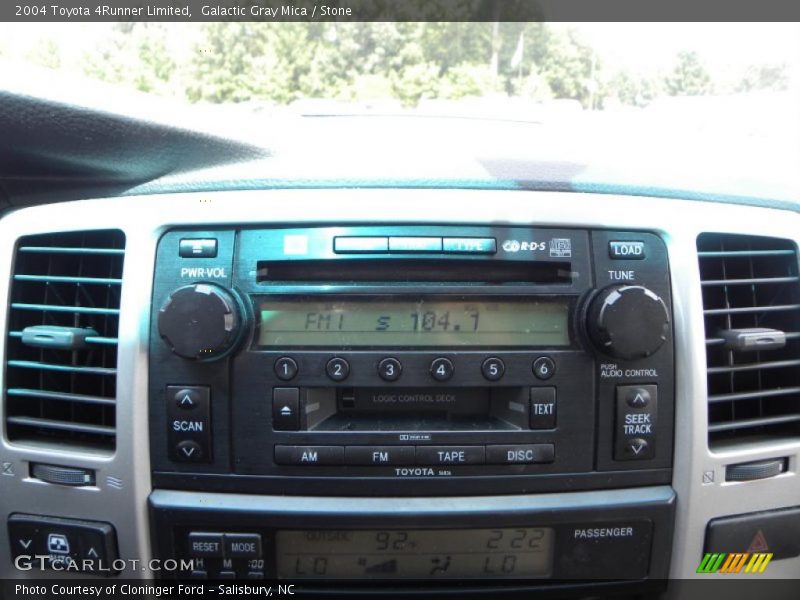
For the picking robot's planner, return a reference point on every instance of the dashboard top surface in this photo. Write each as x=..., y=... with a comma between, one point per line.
x=74, y=146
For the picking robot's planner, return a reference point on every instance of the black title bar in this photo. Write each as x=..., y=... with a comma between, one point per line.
x=270, y=11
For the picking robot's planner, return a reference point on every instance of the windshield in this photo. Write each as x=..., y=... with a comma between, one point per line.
x=727, y=93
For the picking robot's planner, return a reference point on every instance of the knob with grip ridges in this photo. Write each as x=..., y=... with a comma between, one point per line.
x=201, y=321
x=628, y=321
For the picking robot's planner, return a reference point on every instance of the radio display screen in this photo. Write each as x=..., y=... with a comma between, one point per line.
x=415, y=554
x=347, y=322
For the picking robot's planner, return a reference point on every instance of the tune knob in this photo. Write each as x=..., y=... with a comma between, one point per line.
x=200, y=321
x=628, y=321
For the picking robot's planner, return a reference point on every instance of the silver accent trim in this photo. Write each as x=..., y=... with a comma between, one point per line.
x=320, y=505
x=145, y=218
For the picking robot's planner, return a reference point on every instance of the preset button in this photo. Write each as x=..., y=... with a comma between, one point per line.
x=493, y=369
x=442, y=369
x=544, y=367
x=285, y=368
x=389, y=369
x=337, y=369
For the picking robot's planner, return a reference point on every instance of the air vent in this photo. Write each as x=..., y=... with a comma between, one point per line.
x=61, y=353
x=751, y=303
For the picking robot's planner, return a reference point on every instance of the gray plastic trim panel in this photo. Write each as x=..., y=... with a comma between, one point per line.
x=698, y=473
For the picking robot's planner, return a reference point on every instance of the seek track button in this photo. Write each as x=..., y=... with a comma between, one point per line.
x=637, y=448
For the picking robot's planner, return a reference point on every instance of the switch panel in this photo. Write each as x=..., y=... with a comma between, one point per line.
x=69, y=544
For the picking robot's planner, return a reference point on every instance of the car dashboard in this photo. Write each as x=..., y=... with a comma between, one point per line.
x=341, y=387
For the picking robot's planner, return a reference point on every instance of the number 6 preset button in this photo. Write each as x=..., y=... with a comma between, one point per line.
x=390, y=369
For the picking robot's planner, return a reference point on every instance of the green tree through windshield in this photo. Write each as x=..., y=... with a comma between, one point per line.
x=279, y=63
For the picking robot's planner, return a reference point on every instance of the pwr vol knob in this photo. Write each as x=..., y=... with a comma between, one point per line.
x=628, y=321
x=200, y=321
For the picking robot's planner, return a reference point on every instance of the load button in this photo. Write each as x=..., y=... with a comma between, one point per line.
x=626, y=250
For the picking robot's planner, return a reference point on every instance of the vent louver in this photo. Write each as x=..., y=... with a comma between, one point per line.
x=751, y=283
x=62, y=395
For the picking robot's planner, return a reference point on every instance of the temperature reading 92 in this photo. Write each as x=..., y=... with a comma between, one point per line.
x=420, y=554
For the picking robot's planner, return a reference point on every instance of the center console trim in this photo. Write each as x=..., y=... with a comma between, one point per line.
x=145, y=218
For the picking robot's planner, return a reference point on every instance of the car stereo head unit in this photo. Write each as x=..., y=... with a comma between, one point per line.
x=410, y=360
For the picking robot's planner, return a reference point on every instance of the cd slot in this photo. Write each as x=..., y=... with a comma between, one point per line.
x=416, y=409
x=414, y=271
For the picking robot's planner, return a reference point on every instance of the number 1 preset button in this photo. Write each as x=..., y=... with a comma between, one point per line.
x=285, y=368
